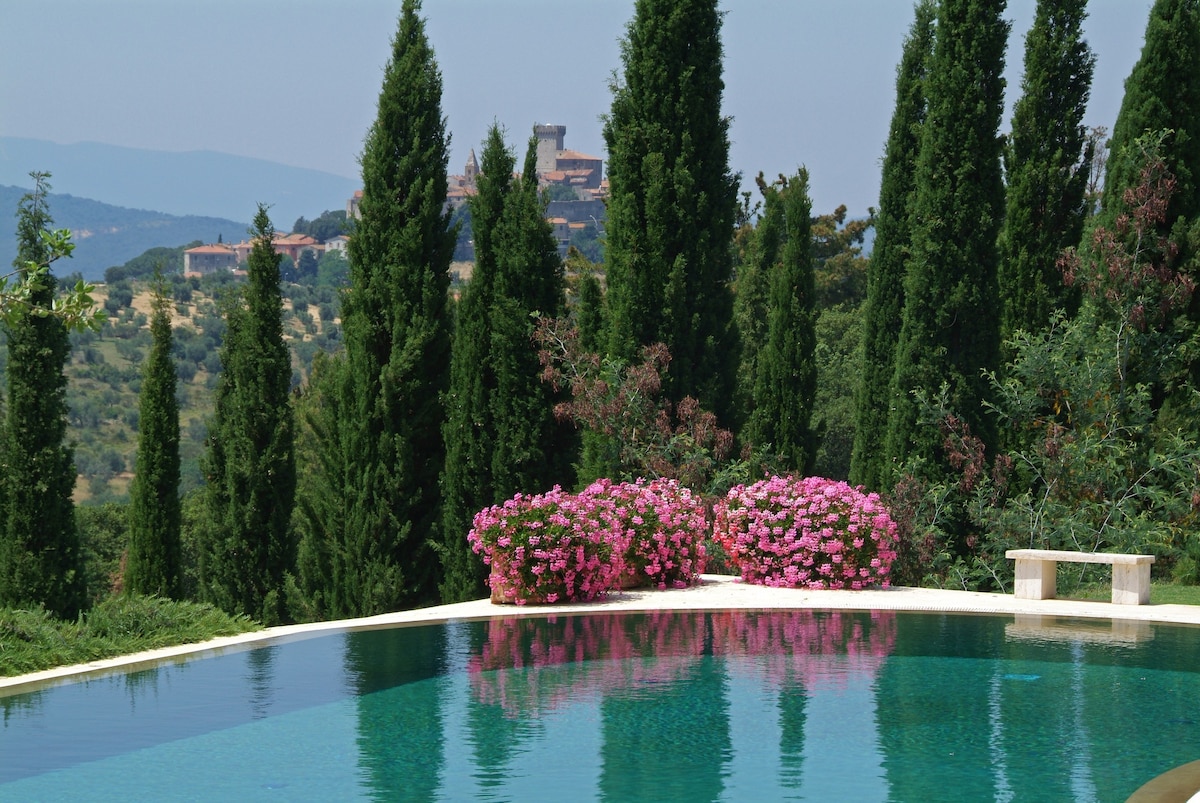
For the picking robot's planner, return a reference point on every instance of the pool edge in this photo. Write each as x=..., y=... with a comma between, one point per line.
x=716, y=592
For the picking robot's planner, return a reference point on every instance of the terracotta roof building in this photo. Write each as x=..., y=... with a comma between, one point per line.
x=205, y=259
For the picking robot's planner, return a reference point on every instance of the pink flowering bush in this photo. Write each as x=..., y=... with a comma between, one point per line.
x=809, y=533
x=552, y=547
x=663, y=526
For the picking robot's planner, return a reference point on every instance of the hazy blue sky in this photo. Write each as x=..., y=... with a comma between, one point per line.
x=808, y=82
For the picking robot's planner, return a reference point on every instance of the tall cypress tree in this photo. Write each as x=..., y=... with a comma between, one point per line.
x=470, y=434
x=397, y=330
x=319, y=484
x=1162, y=93
x=950, y=329
x=1048, y=165
x=39, y=547
x=153, y=563
x=672, y=200
x=251, y=464
x=785, y=384
x=589, y=312
x=889, y=257
x=501, y=435
x=532, y=450
x=761, y=245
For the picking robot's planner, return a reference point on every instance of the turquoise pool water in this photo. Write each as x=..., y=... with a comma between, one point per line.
x=670, y=706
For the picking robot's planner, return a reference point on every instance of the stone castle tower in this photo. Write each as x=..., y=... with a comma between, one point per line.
x=549, y=143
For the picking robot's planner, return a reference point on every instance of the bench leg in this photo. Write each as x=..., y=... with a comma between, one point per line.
x=1035, y=579
x=1131, y=584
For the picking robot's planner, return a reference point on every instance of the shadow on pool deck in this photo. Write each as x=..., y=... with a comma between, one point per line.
x=716, y=592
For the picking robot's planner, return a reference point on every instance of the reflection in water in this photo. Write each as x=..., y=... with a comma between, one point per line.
x=568, y=659
x=792, y=704
x=730, y=705
x=261, y=681
x=666, y=718
x=662, y=686
x=494, y=736
x=926, y=715
x=401, y=750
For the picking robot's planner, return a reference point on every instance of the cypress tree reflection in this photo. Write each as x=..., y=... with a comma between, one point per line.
x=401, y=750
x=675, y=715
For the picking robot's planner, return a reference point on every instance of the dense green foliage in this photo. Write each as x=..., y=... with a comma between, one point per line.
x=672, y=201
x=250, y=466
x=397, y=330
x=757, y=246
x=838, y=358
x=35, y=640
x=589, y=312
x=1162, y=93
x=532, y=451
x=39, y=546
x=1048, y=165
x=328, y=224
x=950, y=328
x=1091, y=468
x=889, y=259
x=785, y=374
x=153, y=565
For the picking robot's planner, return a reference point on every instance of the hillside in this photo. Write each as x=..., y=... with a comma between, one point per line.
x=107, y=235
x=105, y=372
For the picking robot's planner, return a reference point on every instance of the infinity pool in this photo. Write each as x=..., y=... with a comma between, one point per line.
x=737, y=705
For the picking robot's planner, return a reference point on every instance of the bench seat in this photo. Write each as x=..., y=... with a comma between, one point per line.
x=1036, y=568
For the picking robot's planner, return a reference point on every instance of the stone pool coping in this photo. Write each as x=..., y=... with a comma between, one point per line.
x=716, y=592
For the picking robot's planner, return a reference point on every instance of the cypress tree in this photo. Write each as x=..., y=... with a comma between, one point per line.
x=889, y=257
x=532, y=451
x=397, y=329
x=470, y=434
x=672, y=200
x=501, y=435
x=319, y=489
x=39, y=548
x=950, y=329
x=153, y=563
x=752, y=300
x=1048, y=166
x=785, y=384
x=589, y=312
x=250, y=465
x=1162, y=93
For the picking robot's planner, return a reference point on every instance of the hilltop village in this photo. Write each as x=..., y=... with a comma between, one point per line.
x=573, y=183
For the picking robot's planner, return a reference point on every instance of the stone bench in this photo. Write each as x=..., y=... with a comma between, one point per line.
x=1036, y=573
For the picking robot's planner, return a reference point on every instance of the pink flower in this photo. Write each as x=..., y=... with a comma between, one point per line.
x=774, y=527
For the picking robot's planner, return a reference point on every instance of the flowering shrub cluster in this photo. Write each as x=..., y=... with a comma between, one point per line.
x=664, y=525
x=808, y=533
x=560, y=547
x=551, y=547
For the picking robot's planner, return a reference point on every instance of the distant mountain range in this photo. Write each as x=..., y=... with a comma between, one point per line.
x=196, y=195
x=106, y=235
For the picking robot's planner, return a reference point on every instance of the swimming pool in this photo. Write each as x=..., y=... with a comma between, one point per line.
x=729, y=705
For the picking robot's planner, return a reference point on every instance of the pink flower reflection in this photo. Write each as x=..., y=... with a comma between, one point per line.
x=528, y=667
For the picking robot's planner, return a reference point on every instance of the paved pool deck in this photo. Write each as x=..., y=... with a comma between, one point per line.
x=716, y=592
